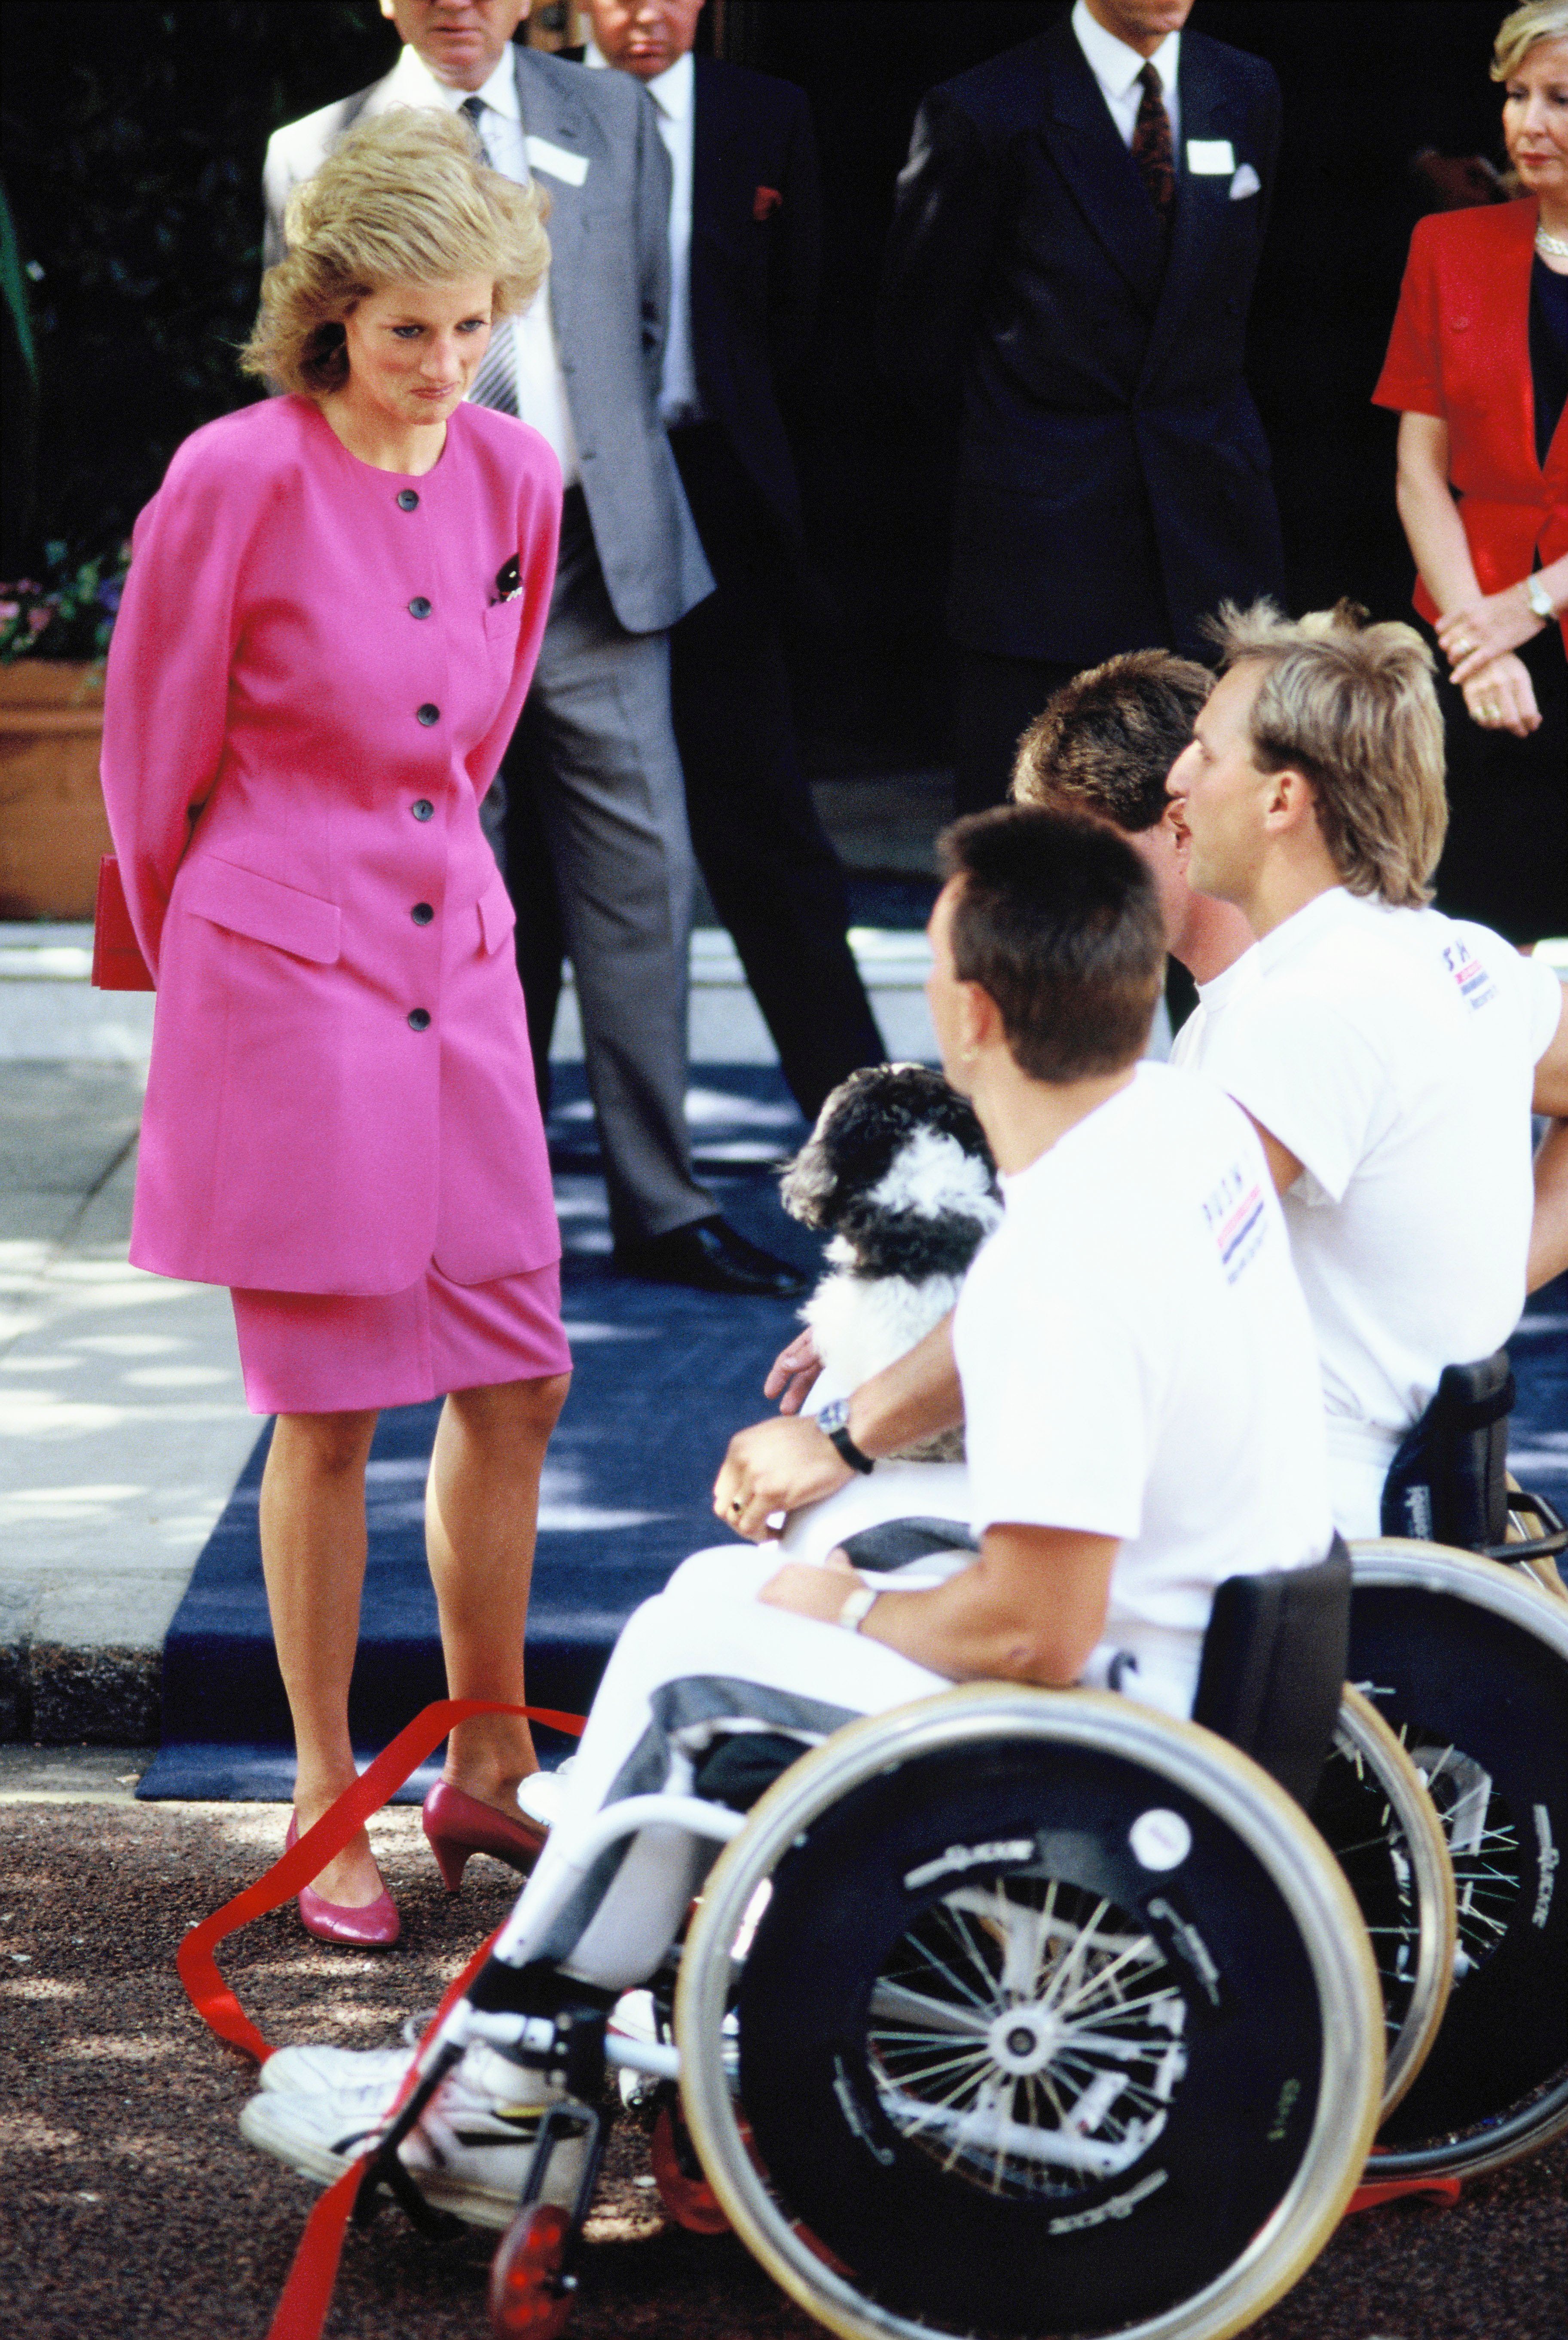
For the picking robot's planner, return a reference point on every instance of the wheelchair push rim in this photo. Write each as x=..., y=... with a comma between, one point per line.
x=1407, y=1901
x=1480, y=1699
x=1247, y=1811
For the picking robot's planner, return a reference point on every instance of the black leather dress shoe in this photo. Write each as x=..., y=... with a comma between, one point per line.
x=710, y=1256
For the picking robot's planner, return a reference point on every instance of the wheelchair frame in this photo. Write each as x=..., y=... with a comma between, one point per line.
x=1356, y=2092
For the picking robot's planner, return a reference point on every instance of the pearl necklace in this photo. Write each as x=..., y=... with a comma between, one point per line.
x=1554, y=247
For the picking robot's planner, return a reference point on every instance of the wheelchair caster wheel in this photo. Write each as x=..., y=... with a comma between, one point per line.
x=690, y=2200
x=530, y=2294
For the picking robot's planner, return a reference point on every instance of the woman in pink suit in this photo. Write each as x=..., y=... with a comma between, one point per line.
x=334, y=609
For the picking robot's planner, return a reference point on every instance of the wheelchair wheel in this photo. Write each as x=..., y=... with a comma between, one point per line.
x=1468, y=1663
x=1057, y=2016
x=1377, y=1819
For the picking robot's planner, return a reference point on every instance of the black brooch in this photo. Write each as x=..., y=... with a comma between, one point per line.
x=509, y=580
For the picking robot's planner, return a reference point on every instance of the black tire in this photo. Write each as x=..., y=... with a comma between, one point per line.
x=1148, y=2107
x=1467, y=1662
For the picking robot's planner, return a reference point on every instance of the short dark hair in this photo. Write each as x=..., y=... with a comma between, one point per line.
x=1058, y=920
x=1106, y=739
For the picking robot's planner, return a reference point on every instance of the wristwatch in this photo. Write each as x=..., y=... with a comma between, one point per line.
x=1539, y=598
x=857, y=1606
x=834, y=1423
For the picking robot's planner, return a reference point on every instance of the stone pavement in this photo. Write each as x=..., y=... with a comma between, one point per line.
x=123, y=1424
x=123, y=1421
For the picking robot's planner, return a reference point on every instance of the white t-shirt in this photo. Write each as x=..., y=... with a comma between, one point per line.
x=1136, y=1361
x=1393, y=1052
x=1213, y=997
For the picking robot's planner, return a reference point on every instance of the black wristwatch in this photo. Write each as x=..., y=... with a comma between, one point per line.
x=833, y=1423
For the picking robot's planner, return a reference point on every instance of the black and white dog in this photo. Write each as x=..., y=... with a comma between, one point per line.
x=898, y=1171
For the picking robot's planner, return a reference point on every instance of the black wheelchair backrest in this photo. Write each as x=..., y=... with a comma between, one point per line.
x=1273, y=1669
x=1448, y=1481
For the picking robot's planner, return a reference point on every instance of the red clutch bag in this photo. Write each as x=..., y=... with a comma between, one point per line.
x=117, y=961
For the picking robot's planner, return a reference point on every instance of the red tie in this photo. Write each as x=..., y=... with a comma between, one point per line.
x=1151, y=148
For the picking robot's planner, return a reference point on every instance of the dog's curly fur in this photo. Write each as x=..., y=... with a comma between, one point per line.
x=898, y=1171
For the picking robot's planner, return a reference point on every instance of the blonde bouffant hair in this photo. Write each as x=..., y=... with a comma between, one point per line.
x=1526, y=29
x=406, y=199
x=1354, y=707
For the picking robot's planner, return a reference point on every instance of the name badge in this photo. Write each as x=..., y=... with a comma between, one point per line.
x=1206, y=157
x=573, y=169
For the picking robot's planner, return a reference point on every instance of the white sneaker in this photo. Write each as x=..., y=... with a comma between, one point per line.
x=469, y=2152
x=539, y=1796
x=331, y=2071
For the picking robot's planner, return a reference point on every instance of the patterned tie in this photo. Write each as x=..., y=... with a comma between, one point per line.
x=1151, y=148
x=496, y=383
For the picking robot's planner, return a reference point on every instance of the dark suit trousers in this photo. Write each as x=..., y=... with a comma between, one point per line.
x=995, y=700
x=770, y=865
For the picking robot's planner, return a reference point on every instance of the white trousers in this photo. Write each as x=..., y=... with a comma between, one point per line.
x=702, y=1659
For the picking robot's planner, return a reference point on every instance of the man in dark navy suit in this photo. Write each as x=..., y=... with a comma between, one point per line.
x=1077, y=232
x=744, y=239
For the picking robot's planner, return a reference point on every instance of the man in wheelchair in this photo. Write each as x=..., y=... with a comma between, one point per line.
x=1141, y=1391
x=1388, y=1057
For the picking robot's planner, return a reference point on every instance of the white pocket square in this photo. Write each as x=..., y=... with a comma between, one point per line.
x=1246, y=183
x=558, y=161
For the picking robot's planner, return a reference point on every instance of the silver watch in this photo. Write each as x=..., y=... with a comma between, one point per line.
x=1539, y=598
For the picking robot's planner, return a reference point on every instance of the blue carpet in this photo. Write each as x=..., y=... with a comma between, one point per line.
x=662, y=1378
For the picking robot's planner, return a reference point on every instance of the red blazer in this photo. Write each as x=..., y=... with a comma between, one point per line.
x=1459, y=350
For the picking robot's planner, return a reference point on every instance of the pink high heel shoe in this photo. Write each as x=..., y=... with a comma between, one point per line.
x=457, y=1824
x=376, y=1927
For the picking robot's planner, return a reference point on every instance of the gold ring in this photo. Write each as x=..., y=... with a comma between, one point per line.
x=1464, y=645
x=1489, y=714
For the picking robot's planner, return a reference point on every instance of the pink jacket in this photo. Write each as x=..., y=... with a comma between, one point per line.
x=314, y=673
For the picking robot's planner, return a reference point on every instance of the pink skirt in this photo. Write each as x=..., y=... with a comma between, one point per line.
x=324, y=1352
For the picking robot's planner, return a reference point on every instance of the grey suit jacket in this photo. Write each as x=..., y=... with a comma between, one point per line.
x=609, y=298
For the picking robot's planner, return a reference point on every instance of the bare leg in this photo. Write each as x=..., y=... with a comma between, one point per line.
x=481, y=1511
x=313, y=1558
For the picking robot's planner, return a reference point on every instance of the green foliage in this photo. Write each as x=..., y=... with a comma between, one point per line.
x=70, y=615
x=134, y=136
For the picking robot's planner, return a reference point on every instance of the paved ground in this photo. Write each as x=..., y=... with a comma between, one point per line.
x=134, y=2207
x=123, y=1421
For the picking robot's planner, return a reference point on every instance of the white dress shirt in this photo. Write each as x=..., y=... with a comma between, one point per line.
x=672, y=94
x=1116, y=68
x=541, y=386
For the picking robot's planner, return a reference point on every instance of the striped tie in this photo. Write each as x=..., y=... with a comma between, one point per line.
x=495, y=383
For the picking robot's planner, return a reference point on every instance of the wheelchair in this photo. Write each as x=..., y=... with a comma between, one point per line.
x=1461, y=1647
x=1017, y=2011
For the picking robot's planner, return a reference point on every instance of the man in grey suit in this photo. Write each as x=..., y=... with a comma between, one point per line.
x=595, y=748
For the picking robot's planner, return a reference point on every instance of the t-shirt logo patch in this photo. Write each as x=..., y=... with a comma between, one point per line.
x=1476, y=985
x=1234, y=1212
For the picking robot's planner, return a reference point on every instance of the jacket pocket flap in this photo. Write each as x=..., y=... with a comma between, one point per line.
x=497, y=915
x=265, y=909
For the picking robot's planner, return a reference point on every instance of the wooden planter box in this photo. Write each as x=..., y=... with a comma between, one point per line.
x=52, y=830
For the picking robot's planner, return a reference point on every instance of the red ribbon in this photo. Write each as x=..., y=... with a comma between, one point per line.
x=301, y=2309
x=209, y=1994
x=303, y=2304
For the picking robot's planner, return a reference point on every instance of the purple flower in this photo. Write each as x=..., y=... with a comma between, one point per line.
x=110, y=591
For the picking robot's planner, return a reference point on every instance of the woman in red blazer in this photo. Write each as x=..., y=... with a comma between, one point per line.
x=1478, y=367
